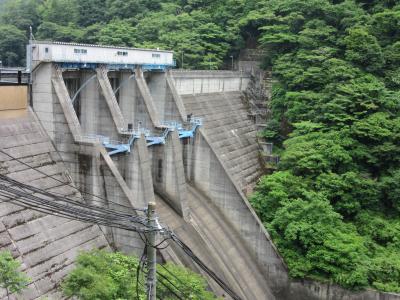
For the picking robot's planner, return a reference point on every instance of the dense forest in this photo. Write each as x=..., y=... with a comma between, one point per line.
x=333, y=205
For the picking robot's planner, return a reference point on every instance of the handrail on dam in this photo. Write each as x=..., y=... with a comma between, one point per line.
x=182, y=132
x=116, y=147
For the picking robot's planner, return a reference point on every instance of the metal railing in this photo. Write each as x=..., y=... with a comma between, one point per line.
x=14, y=76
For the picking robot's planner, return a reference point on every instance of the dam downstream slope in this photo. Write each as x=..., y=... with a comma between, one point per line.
x=46, y=245
x=230, y=132
x=214, y=240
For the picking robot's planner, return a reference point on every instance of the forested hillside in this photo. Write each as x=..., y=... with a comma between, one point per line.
x=204, y=32
x=333, y=205
x=333, y=208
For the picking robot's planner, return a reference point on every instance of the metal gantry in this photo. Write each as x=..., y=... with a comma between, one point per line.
x=115, y=147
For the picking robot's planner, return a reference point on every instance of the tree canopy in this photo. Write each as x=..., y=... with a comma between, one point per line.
x=11, y=279
x=106, y=276
x=332, y=206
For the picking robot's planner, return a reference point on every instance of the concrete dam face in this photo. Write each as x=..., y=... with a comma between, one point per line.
x=122, y=137
x=199, y=183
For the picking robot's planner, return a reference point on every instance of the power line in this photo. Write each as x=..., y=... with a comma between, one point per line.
x=55, y=206
x=169, y=289
x=172, y=274
x=16, y=192
x=70, y=185
x=60, y=201
x=204, y=267
x=171, y=283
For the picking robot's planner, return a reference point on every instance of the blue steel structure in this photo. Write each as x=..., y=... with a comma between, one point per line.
x=115, y=67
x=115, y=147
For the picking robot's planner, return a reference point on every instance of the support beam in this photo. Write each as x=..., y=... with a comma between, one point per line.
x=176, y=96
x=148, y=99
x=110, y=99
x=66, y=104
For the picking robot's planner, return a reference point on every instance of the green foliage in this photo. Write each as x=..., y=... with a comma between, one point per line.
x=118, y=33
x=333, y=205
x=200, y=32
x=20, y=13
x=363, y=48
x=11, y=278
x=105, y=275
x=12, y=45
x=61, y=12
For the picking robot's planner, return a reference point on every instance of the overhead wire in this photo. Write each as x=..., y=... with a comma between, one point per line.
x=57, y=203
x=103, y=200
x=69, y=210
x=49, y=203
x=204, y=267
x=56, y=196
x=172, y=284
x=172, y=274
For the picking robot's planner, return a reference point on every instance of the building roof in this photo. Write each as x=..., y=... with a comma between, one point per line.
x=96, y=46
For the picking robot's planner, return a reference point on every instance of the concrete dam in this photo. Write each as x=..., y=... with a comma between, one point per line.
x=130, y=136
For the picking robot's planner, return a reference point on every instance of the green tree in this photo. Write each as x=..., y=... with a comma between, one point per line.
x=91, y=12
x=104, y=275
x=12, y=45
x=363, y=48
x=60, y=12
x=335, y=111
x=55, y=32
x=118, y=33
x=21, y=14
x=11, y=278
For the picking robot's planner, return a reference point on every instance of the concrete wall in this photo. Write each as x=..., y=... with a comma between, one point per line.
x=45, y=245
x=13, y=101
x=92, y=172
x=199, y=193
x=197, y=82
x=162, y=95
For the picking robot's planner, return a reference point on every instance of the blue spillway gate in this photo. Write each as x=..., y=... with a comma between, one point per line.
x=115, y=147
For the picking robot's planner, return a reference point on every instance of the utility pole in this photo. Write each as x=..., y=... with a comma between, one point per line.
x=151, y=252
x=232, y=61
x=182, y=61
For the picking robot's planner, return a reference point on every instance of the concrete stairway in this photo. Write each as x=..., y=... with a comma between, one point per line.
x=46, y=245
x=231, y=133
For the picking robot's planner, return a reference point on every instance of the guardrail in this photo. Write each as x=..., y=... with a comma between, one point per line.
x=13, y=76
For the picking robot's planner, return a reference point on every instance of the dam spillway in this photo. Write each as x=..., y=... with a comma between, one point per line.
x=200, y=182
x=190, y=178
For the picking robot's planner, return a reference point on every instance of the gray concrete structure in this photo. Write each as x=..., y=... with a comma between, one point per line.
x=199, y=184
x=45, y=245
x=202, y=82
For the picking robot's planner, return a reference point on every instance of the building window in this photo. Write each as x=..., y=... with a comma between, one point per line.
x=155, y=55
x=122, y=53
x=80, y=51
x=46, y=50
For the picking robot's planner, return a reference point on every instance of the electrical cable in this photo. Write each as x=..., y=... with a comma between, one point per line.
x=171, y=283
x=167, y=287
x=120, y=216
x=139, y=268
x=171, y=290
x=204, y=267
x=69, y=211
x=16, y=192
x=70, y=185
x=172, y=274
